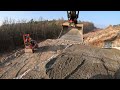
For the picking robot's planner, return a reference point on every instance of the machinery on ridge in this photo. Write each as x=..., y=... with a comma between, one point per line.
x=30, y=44
x=72, y=30
x=73, y=16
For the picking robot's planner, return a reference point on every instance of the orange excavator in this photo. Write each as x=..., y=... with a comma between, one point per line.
x=30, y=44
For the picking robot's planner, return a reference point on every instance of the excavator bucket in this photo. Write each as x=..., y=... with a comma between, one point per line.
x=71, y=32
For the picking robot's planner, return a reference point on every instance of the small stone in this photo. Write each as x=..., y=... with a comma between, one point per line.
x=37, y=68
x=8, y=63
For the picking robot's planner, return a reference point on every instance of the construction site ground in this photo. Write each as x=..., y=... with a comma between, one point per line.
x=85, y=62
x=22, y=65
x=62, y=59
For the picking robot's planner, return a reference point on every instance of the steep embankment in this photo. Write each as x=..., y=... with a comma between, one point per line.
x=98, y=37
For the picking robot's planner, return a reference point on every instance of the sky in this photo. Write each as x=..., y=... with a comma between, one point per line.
x=101, y=19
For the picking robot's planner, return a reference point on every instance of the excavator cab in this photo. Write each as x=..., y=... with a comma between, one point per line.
x=72, y=30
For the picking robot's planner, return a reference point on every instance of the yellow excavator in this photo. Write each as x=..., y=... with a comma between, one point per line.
x=72, y=30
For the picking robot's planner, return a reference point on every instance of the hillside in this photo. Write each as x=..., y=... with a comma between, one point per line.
x=11, y=32
x=57, y=58
x=99, y=37
x=85, y=62
x=62, y=59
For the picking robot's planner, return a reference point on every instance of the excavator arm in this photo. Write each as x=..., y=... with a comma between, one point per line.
x=73, y=15
x=77, y=14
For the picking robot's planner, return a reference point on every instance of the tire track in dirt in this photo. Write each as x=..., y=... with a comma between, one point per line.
x=32, y=65
x=12, y=71
x=75, y=69
x=7, y=68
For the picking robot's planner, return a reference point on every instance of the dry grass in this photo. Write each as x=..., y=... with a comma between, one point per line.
x=11, y=33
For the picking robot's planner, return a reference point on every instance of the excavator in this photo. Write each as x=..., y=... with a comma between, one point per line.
x=71, y=31
x=73, y=16
x=30, y=44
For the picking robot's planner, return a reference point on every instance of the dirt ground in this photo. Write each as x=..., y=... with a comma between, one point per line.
x=22, y=65
x=85, y=62
x=62, y=59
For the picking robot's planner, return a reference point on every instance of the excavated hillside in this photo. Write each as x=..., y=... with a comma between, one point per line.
x=66, y=59
x=89, y=62
x=20, y=65
x=99, y=37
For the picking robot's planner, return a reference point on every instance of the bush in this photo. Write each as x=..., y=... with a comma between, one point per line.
x=88, y=27
x=11, y=33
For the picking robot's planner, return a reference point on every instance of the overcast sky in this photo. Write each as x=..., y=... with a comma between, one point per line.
x=99, y=18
